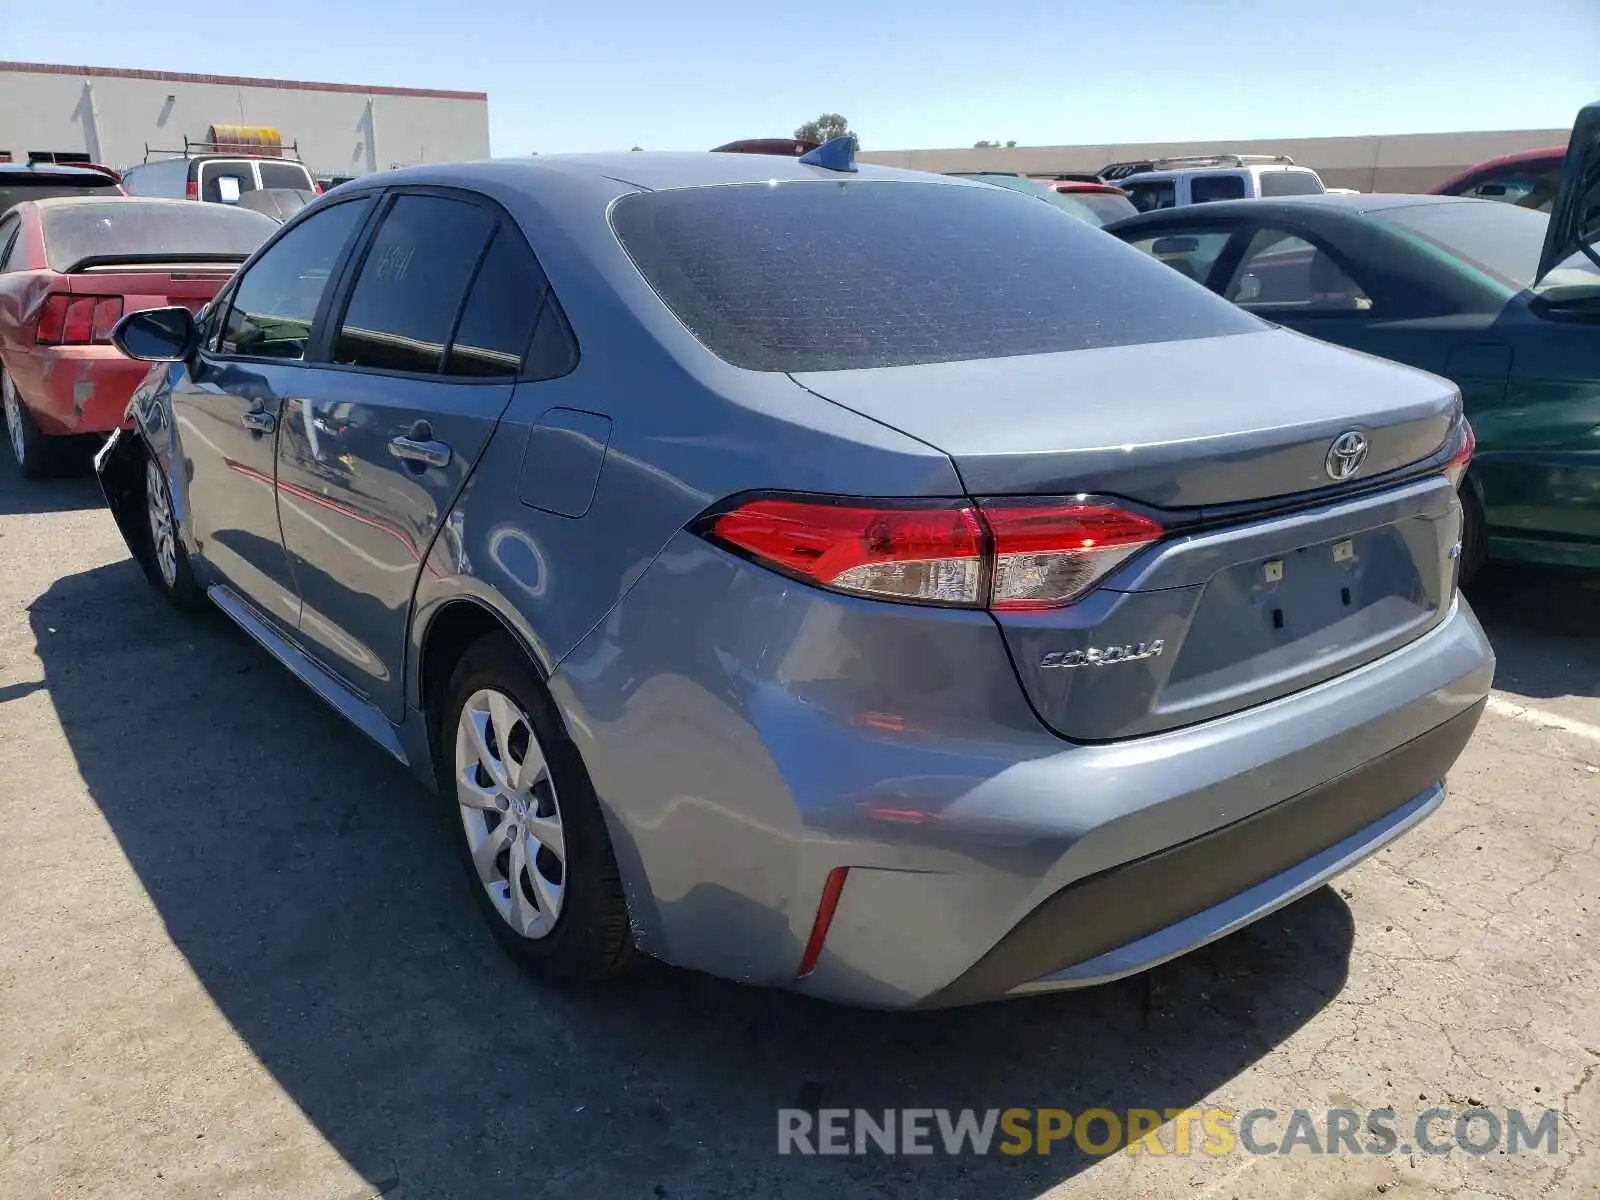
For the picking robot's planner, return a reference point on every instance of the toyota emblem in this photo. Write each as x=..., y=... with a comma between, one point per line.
x=1345, y=456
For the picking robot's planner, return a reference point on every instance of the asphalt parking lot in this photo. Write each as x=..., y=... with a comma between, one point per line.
x=237, y=960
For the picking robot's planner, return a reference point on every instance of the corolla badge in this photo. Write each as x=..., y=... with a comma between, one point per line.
x=1101, y=656
x=1345, y=456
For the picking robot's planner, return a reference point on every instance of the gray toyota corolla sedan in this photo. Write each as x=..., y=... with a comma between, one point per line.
x=859, y=581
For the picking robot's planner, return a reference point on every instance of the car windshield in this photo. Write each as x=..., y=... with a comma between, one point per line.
x=1502, y=240
x=841, y=275
x=43, y=187
x=126, y=227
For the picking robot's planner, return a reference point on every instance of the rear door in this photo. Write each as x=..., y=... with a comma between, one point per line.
x=421, y=361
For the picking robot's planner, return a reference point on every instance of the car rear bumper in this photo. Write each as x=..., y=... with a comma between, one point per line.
x=748, y=737
x=77, y=389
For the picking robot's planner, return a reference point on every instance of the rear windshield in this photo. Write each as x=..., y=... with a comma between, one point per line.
x=838, y=275
x=1103, y=207
x=1502, y=239
x=284, y=175
x=141, y=228
x=13, y=191
x=1290, y=183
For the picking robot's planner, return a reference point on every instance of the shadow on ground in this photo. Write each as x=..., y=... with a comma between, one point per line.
x=1545, y=627
x=70, y=487
x=313, y=889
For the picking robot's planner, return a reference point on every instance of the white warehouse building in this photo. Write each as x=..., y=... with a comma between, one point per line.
x=118, y=117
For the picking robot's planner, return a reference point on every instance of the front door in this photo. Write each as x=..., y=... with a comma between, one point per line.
x=228, y=406
x=380, y=440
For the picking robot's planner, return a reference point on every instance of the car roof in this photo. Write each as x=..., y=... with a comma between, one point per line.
x=1210, y=169
x=56, y=172
x=1354, y=205
x=643, y=169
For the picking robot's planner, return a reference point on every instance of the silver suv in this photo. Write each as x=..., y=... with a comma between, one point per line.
x=1176, y=182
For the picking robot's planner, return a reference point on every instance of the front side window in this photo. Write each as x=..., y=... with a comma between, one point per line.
x=412, y=284
x=1286, y=273
x=1205, y=188
x=276, y=300
x=1526, y=187
x=1147, y=197
x=841, y=275
x=1190, y=252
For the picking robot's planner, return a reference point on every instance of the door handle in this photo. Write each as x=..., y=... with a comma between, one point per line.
x=427, y=453
x=258, y=420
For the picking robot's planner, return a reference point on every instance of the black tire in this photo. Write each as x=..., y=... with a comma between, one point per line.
x=590, y=940
x=174, y=577
x=33, y=452
x=1474, y=540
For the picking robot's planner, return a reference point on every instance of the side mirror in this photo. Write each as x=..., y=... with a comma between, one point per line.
x=156, y=335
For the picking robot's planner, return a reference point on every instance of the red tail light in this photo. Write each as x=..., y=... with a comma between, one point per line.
x=1462, y=458
x=316, y=189
x=191, y=190
x=1049, y=555
x=67, y=320
x=1007, y=555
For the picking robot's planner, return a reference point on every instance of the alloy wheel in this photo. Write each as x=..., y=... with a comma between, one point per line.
x=163, y=537
x=510, y=813
x=13, y=407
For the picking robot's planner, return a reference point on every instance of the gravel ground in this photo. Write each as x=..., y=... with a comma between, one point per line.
x=237, y=960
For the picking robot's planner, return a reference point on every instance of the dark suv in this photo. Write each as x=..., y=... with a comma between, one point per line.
x=39, y=181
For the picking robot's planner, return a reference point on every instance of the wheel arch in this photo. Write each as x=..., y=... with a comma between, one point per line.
x=446, y=631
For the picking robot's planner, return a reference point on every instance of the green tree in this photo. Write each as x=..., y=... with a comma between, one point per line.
x=825, y=128
x=994, y=145
x=638, y=147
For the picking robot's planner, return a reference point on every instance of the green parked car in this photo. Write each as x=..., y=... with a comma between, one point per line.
x=1503, y=300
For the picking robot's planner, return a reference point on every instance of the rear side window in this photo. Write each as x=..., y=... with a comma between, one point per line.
x=284, y=175
x=412, y=284
x=10, y=243
x=838, y=275
x=1290, y=183
x=240, y=179
x=1289, y=274
x=127, y=228
x=276, y=300
x=1526, y=187
x=1205, y=188
x=502, y=307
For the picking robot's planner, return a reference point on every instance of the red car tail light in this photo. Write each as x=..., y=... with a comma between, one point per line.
x=1006, y=555
x=930, y=554
x=1456, y=469
x=1048, y=555
x=191, y=190
x=67, y=320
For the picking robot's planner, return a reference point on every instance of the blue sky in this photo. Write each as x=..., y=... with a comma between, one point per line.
x=907, y=73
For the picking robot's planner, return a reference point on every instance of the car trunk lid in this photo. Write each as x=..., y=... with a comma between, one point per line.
x=1274, y=575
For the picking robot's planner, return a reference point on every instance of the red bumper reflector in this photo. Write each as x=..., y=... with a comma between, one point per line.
x=831, y=889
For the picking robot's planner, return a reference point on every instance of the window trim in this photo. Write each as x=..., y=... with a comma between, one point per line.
x=1278, y=313
x=320, y=348
x=9, y=239
x=335, y=278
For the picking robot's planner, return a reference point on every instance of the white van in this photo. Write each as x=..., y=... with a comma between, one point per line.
x=1176, y=182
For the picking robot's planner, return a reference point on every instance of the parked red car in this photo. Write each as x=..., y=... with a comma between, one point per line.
x=70, y=268
x=1529, y=179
